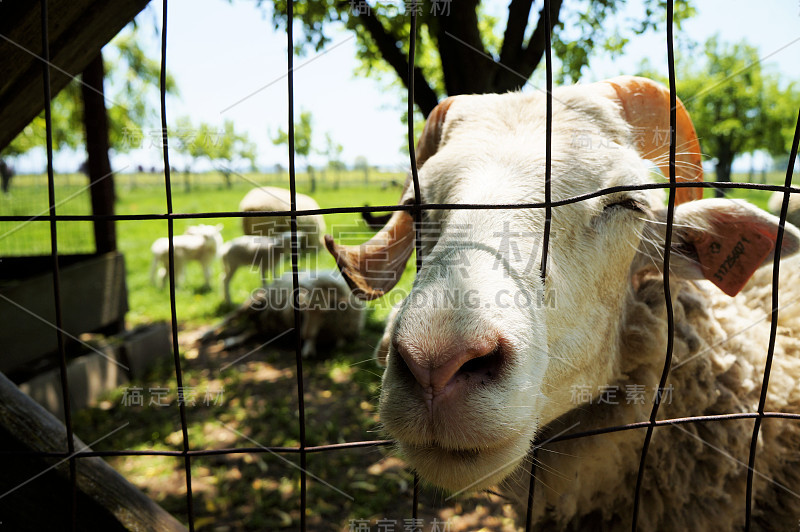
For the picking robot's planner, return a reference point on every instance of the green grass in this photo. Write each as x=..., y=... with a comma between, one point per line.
x=144, y=194
x=194, y=306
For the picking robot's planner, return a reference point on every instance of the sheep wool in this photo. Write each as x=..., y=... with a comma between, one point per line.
x=695, y=476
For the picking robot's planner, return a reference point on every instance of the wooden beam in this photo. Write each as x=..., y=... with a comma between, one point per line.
x=78, y=30
x=36, y=492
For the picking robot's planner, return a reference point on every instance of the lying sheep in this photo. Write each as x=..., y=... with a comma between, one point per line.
x=486, y=354
x=330, y=316
x=199, y=242
x=261, y=251
x=793, y=214
x=279, y=199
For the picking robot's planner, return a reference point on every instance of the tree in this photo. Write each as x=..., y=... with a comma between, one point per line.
x=333, y=152
x=737, y=105
x=130, y=75
x=302, y=142
x=223, y=148
x=362, y=164
x=461, y=48
x=67, y=116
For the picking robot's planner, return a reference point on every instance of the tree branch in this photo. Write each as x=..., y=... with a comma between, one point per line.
x=531, y=56
x=424, y=96
x=518, y=13
x=466, y=66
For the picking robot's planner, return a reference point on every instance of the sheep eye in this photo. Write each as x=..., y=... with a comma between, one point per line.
x=626, y=203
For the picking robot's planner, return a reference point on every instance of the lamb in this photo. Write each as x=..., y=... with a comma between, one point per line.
x=199, y=242
x=331, y=317
x=279, y=199
x=266, y=252
x=485, y=356
x=793, y=214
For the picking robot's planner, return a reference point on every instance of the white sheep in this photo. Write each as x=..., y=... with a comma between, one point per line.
x=793, y=214
x=256, y=251
x=199, y=242
x=330, y=315
x=484, y=356
x=279, y=199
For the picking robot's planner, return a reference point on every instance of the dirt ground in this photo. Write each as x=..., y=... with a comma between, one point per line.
x=363, y=489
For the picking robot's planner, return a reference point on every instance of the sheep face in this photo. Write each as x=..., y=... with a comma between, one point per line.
x=483, y=351
x=211, y=234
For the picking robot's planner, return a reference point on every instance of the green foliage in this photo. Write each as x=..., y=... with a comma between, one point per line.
x=132, y=80
x=581, y=32
x=66, y=111
x=736, y=103
x=302, y=135
x=333, y=151
x=221, y=146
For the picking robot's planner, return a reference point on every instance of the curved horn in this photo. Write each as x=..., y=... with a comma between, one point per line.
x=645, y=106
x=373, y=268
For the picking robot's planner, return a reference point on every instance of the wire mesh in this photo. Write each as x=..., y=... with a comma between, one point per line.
x=415, y=209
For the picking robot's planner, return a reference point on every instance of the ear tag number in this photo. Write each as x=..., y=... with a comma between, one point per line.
x=731, y=260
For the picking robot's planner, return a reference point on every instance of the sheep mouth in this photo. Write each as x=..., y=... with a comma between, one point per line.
x=466, y=469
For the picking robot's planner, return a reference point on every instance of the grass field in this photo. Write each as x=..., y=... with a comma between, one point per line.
x=247, y=398
x=209, y=193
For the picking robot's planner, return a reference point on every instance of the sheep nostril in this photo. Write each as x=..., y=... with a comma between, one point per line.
x=479, y=363
x=483, y=368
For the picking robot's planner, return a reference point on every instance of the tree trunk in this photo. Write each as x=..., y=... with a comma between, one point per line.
x=466, y=66
x=723, y=168
x=312, y=178
x=6, y=173
x=101, y=180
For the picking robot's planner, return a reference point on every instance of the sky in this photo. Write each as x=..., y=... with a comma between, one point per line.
x=230, y=63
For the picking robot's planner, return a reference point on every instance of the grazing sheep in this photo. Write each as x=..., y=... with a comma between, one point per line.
x=262, y=251
x=199, y=242
x=484, y=355
x=331, y=316
x=279, y=199
x=793, y=214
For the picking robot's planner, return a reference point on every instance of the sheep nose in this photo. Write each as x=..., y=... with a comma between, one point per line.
x=475, y=362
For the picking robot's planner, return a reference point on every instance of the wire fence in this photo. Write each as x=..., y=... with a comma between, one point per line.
x=416, y=208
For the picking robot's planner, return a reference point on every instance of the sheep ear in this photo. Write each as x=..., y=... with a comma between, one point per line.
x=645, y=106
x=724, y=241
x=373, y=268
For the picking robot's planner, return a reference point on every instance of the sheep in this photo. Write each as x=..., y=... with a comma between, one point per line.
x=486, y=355
x=375, y=221
x=199, y=242
x=279, y=199
x=266, y=252
x=331, y=317
x=793, y=214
